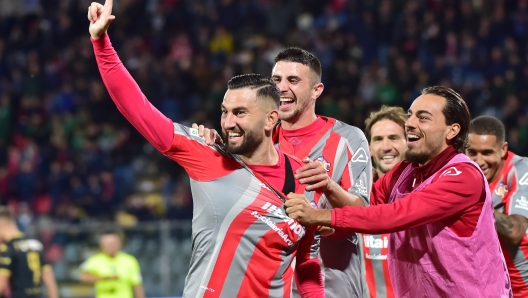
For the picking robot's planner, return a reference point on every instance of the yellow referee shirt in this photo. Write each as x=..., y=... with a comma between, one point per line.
x=124, y=266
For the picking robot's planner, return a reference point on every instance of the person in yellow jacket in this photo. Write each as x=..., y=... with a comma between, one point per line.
x=114, y=273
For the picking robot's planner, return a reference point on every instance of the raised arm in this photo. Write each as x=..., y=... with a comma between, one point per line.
x=123, y=90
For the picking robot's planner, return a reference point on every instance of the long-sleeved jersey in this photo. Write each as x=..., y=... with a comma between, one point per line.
x=344, y=152
x=509, y=193
x=243, y=242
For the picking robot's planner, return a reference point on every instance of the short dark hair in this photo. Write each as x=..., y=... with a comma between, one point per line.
x=298, y=55
x=113, y=231
x=5, y=213
x=265, y=86
x=488, y=125
x=396, y=114
x=455, y=111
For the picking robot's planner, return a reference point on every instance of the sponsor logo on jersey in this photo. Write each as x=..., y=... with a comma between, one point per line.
x=371, y=241
x=326, y=164
x=360, y=156
x=277, y=212
x=452, y=171
x=194, y=132
x=263, y=185
x=521, y=203
x=361, y=188
x=524, y=179
x=501, y=190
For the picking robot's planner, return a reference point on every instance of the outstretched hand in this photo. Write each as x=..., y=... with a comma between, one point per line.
x=100, y=17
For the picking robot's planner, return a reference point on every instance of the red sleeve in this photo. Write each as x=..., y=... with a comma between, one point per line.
x=129, y=99
x=446, y=196
x=381, y=189
x=308, y=275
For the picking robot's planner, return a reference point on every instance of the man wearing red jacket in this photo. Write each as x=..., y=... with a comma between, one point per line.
x=507, y=175
x=244, y=245
x=436, y=205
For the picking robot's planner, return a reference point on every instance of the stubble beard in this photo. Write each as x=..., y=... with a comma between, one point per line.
x=249, y=144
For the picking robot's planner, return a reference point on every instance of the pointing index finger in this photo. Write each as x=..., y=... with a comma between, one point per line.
x=108, y=4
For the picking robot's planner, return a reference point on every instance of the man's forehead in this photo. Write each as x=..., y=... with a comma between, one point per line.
x=386, y=127
x=481, y=140
x=431, y=103
x=288, y=68
x=239, y=97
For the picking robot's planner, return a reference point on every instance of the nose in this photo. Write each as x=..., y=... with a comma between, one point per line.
x=410, y=123
x=229, y=121
x=283, y=86
x=479, y=160
x=386, y=145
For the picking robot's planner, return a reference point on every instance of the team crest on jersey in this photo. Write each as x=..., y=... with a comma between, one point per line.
x=501, y=190
x=326, y=164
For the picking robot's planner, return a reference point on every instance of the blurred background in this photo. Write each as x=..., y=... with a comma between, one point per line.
x=70, y=163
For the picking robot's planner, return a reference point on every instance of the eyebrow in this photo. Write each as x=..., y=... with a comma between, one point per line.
x=420, y=112
x=288, y=77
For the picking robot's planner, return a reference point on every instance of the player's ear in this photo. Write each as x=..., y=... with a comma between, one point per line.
x=452, y=131
x=504, y=150
x=317, y=90
x=271, y=119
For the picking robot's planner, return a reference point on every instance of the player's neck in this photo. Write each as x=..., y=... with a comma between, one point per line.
x=302, y=120
x=380, y=173
x=265, y=154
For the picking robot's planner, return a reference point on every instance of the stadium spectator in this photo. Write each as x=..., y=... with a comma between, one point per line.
x=23, y=269
x=385, y=130
x=507, y=175
x=238, y=209
x=360, y=43
x=440, y=229
x=114, y=273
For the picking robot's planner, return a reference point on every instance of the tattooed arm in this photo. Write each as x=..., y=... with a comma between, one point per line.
x=511, y=228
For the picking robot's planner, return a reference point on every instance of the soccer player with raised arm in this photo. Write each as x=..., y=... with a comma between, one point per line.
x=244, y=245
x=385, y=130
x=340, y=148
x=23, y=267
x=507, y=175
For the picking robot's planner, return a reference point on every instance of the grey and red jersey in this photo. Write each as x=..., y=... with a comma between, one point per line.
x=244, y=244
x=344, y=152
x=509, y=193
x=375, y=265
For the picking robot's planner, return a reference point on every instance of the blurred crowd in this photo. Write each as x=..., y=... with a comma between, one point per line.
x=67, y=153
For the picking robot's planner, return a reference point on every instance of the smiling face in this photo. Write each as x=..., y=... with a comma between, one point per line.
x=387, y=144
x=426, y=129
x=245, y=121
x=298, y=89
x=488, y=153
